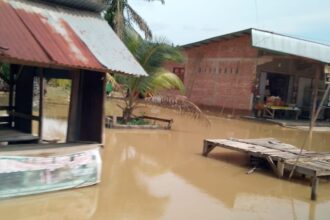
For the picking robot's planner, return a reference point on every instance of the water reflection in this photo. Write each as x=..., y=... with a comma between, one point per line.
x=69, y=204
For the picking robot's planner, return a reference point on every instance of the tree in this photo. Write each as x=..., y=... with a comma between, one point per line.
x=121, y=15
x=151, y=55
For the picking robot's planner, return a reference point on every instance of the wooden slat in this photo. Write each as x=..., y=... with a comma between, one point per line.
x=5, y=108
x=311, y=163
x=157, y=119
x=24, y=116
x=4, y=119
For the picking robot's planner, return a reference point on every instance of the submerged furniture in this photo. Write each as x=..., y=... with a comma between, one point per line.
x=269, y=111
x=13, y=136
x=281, y=157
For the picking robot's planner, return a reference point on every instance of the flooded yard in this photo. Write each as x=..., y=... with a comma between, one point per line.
x=161, y=174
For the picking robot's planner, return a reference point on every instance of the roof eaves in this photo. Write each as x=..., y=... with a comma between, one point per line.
x=87, y=5
x=284, y=44
x=217, y=38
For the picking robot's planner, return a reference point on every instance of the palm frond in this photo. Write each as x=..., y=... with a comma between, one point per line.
x=137, y=19
x=162, y=1
x=120, y=14
x=180, y=104
x=151, y=54
x=111, y=79
x=165, y=80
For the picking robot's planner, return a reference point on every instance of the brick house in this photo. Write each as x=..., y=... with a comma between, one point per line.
x=236, y=70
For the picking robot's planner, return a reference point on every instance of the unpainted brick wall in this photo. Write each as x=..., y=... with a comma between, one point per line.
x=221, y=74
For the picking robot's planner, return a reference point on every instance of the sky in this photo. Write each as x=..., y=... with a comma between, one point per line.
x=186, y=21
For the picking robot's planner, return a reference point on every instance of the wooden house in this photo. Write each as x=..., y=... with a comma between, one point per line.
x=56, y=39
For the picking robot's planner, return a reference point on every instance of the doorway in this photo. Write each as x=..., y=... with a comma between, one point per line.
x=278, y=85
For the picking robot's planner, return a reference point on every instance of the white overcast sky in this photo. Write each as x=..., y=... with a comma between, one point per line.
x=186, y=21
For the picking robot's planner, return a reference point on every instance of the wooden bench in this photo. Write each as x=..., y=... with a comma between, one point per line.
x=270, y=111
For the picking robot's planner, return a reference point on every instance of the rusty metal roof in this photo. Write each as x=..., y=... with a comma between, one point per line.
x=41, y=34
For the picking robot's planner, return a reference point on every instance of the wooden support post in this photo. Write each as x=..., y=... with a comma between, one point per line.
x=104, y=84
x=272, y=165
x=74, y=113
x=41, y=102
x=114, y=120
x=207, y=148
x=280, y=168
x=11, y=94
x=315, y=185
x=315, y=96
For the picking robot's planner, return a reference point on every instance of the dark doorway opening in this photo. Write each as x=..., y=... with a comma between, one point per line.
x=278, y=85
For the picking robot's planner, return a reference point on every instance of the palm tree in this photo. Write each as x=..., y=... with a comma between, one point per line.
x=120, y=15
x=151, y=55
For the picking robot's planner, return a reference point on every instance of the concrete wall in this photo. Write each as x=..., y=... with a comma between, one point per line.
x=221, y=74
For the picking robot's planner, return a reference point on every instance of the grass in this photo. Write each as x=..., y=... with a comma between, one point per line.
x=135, y=121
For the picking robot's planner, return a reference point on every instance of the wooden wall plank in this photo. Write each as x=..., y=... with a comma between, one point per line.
x=24, y=97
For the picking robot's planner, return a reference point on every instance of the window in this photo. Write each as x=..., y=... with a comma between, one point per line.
x=179, y=71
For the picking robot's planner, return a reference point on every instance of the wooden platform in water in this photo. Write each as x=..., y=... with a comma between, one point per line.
x=280, y=156
x=11, y=135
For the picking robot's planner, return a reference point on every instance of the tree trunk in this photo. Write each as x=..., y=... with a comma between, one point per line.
x=127, y=114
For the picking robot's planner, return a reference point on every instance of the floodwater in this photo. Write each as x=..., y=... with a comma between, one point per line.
x=160, y=174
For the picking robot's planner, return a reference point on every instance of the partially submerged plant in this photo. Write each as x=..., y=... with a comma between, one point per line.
x=180, y=103
x=152, y=55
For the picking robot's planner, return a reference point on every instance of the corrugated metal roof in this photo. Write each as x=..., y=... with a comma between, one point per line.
x=57, y=36
x=17, y=38
x=217, y=38
x=290, y=45
x=90, y=5
x=275, y=42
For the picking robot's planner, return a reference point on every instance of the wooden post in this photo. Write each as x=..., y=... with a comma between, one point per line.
x=272, y=165
x=207, y=148
x=315, y=96
x=104, y=84
x=11, y=94
x=114, y=120
x=74, y=113
x=315, y=184
x=41, y=102
x=280, y=168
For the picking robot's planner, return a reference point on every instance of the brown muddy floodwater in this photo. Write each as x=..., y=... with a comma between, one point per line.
x=158, y=174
